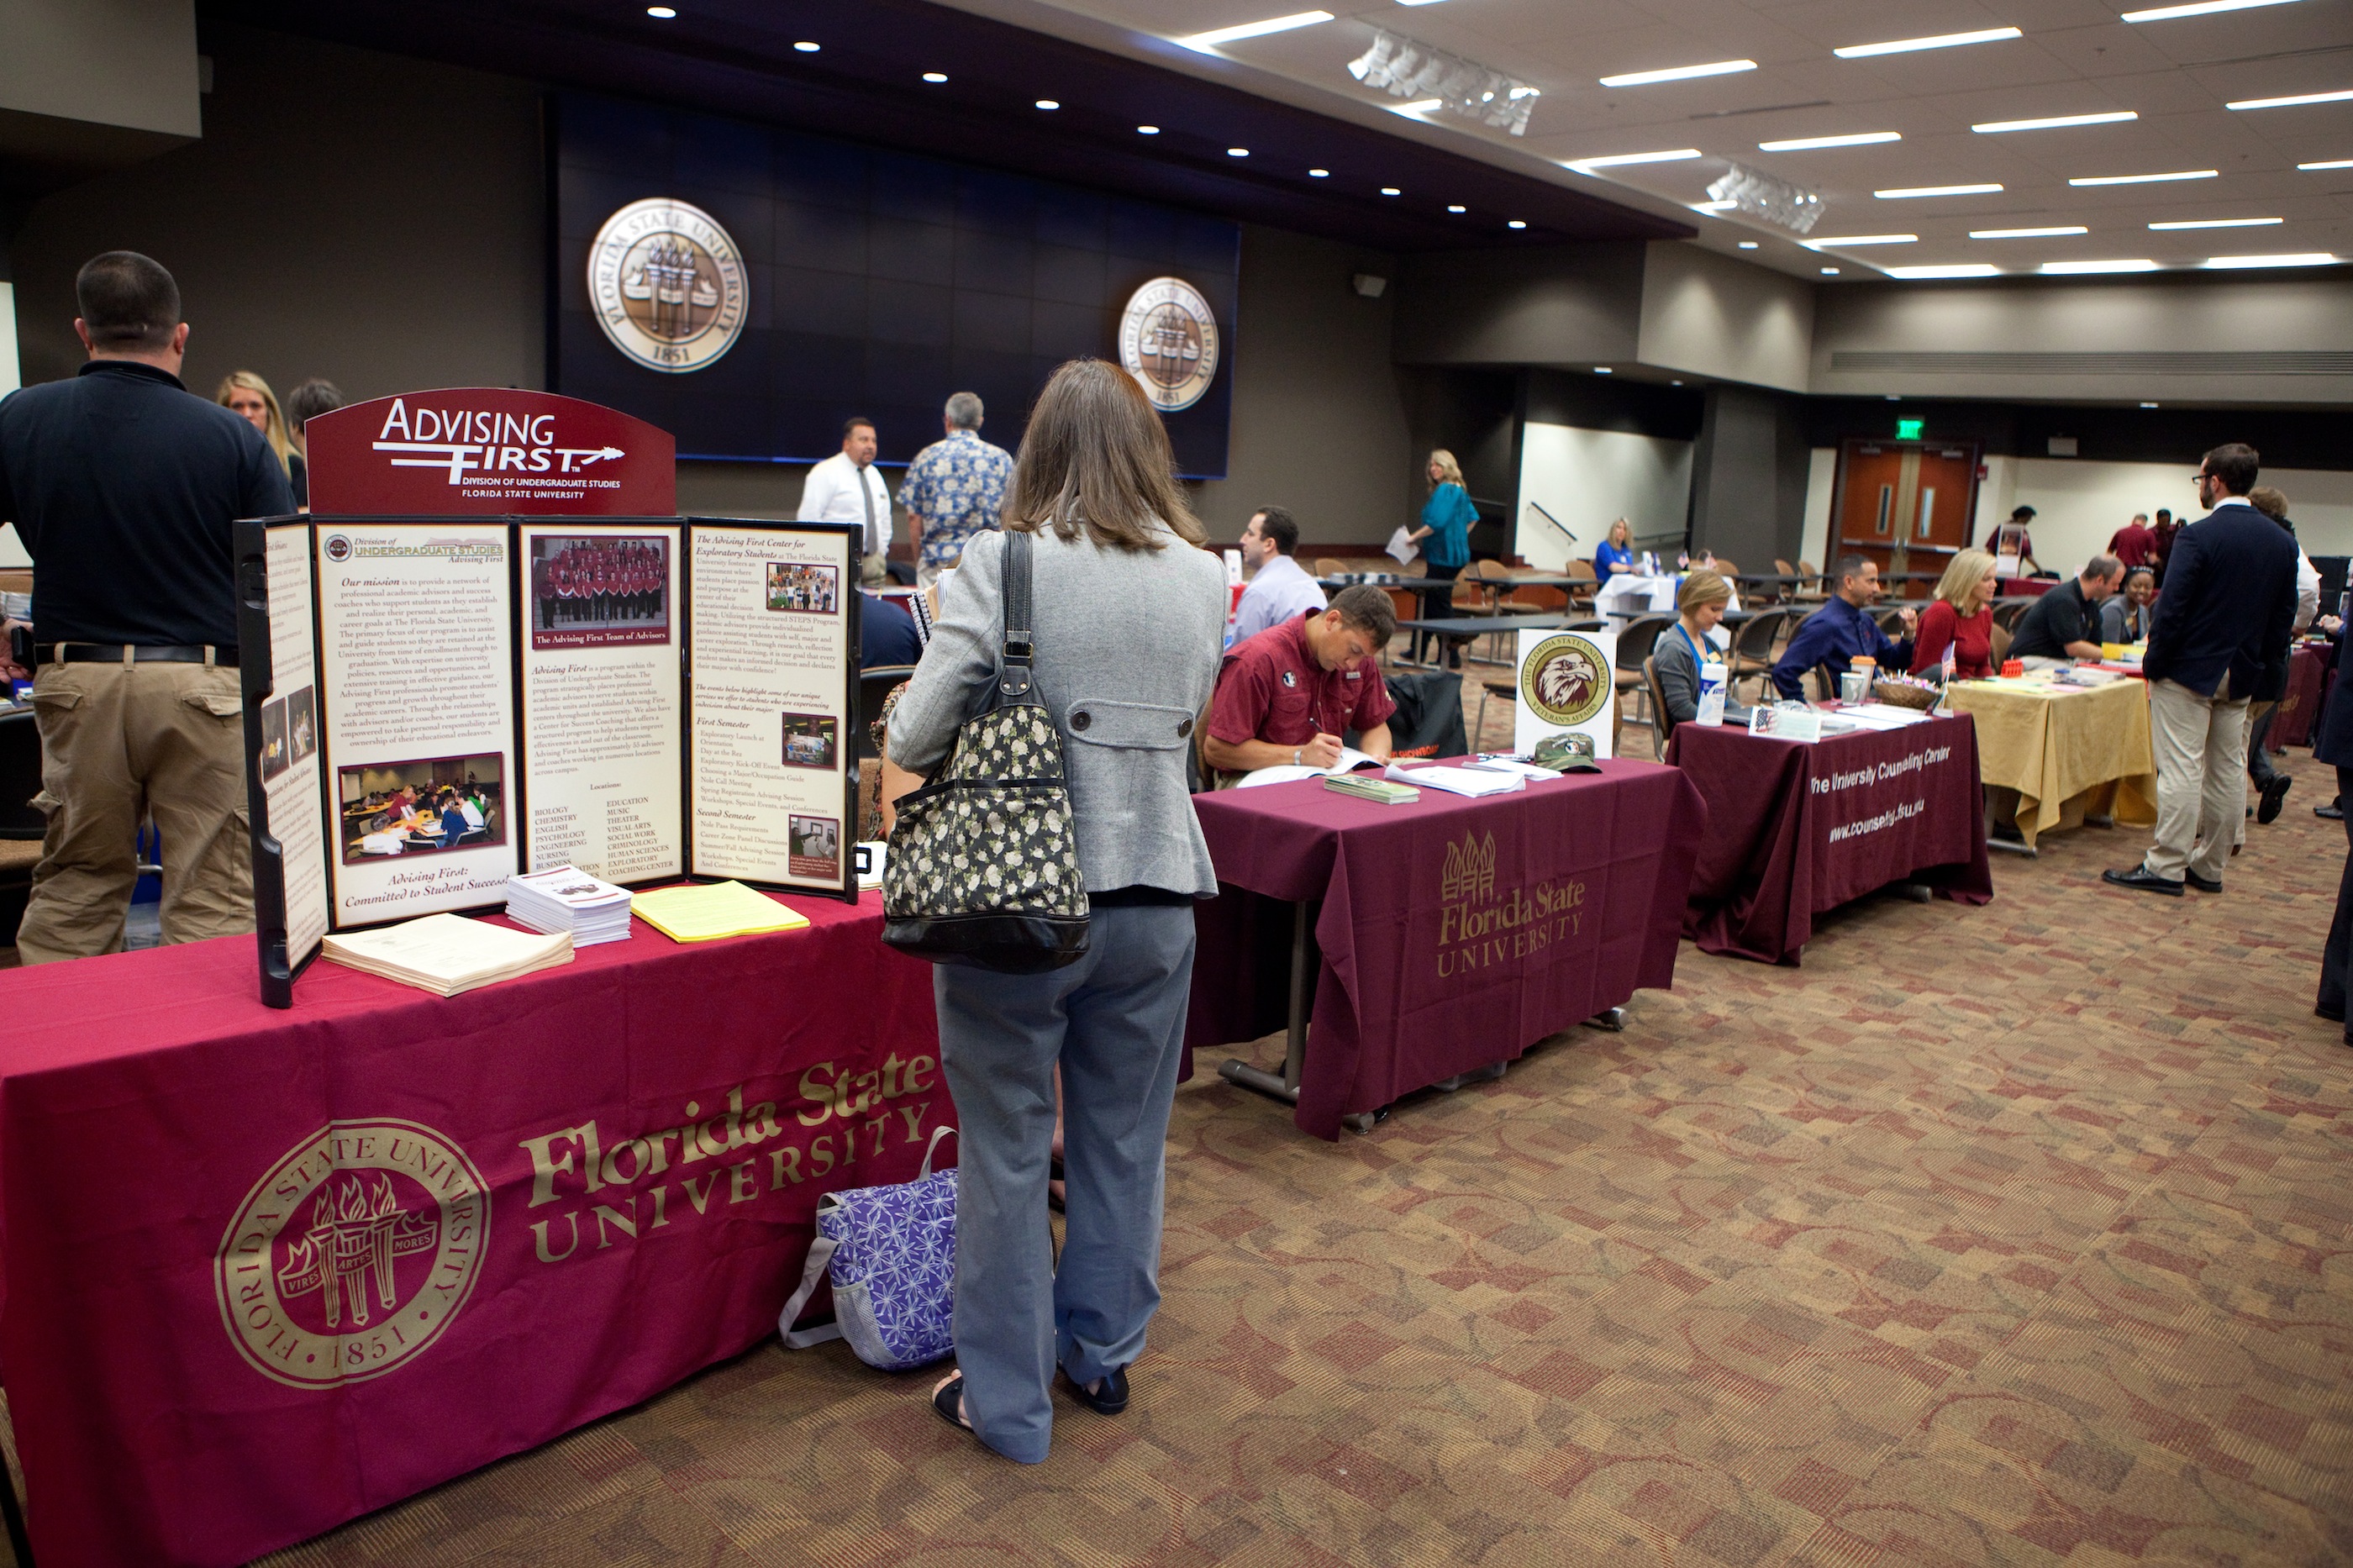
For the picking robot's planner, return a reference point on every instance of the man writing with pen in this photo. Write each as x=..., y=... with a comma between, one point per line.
x=1285, y=696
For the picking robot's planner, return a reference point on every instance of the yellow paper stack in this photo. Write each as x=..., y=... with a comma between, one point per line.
x=698, y=912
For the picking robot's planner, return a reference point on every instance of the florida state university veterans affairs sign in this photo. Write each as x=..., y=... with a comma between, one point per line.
x=1168, y=341
x=667, y=284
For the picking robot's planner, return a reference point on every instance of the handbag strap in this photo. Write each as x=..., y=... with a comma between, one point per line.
x=937, y=1133
x=1016, y=652
x=821, y=1254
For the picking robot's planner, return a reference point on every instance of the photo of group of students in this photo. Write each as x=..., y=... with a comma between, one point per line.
x=289, y=731
x=812, y=590
x=809, y=740
x=587, y=591
x=422, y=807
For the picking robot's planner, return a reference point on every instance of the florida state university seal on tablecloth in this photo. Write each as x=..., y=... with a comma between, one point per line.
x=667, y=284
x=1168, y=341
x=1566, y=680
x=352, y=1254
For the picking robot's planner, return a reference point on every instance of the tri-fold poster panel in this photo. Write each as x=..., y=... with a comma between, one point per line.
x=447, y=701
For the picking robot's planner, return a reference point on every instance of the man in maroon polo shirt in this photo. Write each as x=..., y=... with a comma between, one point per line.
x=1285, y=695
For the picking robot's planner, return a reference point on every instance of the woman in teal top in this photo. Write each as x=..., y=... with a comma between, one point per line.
x=1616, y=554
x=1446, y=520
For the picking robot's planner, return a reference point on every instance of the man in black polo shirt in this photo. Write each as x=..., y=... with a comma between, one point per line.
x=123, y=485
x=2065, y=622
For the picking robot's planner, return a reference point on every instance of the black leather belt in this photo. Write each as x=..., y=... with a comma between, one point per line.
x=111, y=653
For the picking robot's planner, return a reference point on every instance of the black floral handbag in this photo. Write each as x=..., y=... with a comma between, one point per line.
x=983, y=863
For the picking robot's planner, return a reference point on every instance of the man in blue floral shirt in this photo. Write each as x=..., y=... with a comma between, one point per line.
x=955, y=488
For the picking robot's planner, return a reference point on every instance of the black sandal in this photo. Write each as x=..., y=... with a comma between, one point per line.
x=1111, y=1399
x=947, y=1404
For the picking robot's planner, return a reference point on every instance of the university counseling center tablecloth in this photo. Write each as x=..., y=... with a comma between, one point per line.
x=269, y=1271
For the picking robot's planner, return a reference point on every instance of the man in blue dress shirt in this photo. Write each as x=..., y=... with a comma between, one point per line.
x=1281, y=588
x=1842, y=630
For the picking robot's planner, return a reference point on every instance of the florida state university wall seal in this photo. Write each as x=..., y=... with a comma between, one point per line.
x=1168, y=341
x=667, y=284
x=352, y=1254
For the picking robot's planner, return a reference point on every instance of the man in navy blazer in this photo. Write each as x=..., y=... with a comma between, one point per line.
x=2220, y=640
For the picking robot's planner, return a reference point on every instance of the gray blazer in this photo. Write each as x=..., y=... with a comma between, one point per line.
x=1127, y=649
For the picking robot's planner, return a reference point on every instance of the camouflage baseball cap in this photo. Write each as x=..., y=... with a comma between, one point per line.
x=1565, y=751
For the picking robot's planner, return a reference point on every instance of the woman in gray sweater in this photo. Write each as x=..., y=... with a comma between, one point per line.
x=1676, y=655
x=1127, y=614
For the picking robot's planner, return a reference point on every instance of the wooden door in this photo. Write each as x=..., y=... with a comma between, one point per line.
x=1906, y=505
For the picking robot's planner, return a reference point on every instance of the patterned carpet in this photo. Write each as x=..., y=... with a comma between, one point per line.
x=2018, y=1235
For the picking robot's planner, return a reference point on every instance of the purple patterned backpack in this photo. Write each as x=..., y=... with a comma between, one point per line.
x=891, y=1254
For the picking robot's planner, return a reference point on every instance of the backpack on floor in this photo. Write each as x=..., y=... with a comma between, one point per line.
x=890, y=1252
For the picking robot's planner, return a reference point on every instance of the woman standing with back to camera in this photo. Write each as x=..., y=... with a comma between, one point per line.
x=1127, y=617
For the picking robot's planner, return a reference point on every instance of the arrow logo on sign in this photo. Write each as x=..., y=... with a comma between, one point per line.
x=584, y=457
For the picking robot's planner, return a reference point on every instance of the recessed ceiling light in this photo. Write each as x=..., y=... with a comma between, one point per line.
x=1418, y=107
x=2219, y=223
x=2063, y=268
x=1941, y=41
x=1615, y=160
x=663, y=13
x=1211, y=39
x=1908, y=192
x=1237, y=152
x=2200, y=8
x=1748, y=245
x=1319, y=174
x=1454, y=208
x=1048, y=103
x=1675, y=384
x=1516, y=223
x=2147, y=179
x=1809, y=143
x=2053, y=232
x=2328, y=163
x=2336, y=96
x=2308, y=259
x=2055, y=122
x=1603, y=369
x=1390, y=191
x=804, y=47
x=1711, y=209
x=1848, y=241
x=1955, y=270
x=936, y=77
x=1147, y=131
x=1829, y=271
x=1678, y=73
x=2149, y=406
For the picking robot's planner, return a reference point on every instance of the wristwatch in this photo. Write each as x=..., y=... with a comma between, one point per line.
x=1294, y=756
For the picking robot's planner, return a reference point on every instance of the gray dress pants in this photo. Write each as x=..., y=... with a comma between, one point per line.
x=1116, y=1023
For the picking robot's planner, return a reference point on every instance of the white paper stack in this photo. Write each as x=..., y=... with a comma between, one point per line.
x=1475, y=782
x=446, y=954
x=569, y=900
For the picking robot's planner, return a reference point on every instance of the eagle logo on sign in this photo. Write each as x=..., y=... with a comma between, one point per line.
x=1566, y=680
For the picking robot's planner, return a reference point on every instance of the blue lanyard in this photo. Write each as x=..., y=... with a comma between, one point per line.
x=1699, y=655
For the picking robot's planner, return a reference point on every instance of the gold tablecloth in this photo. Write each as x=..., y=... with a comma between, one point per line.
x=2063, y=747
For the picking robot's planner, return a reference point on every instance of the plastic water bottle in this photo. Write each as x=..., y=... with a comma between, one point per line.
x=1710, y=693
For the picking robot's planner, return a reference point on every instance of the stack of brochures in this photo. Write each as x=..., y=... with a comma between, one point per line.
x=1371, y=786
x=1474, y=783
x=446, y=954
x=569, y=898
x=698, y=912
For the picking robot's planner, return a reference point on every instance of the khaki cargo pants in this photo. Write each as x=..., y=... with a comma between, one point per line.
x=117, y=745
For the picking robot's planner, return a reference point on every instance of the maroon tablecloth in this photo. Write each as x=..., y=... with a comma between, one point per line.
x=1795, y=829
x=1453, y=932
x=2299, y=709
x=501, y=1214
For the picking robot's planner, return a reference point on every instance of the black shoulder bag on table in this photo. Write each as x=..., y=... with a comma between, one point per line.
x=983, y=863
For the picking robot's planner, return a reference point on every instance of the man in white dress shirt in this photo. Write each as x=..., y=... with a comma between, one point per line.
x=1282, y=589
x=848, y=487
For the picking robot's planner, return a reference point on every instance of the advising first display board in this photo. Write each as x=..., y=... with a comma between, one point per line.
x=448, y=701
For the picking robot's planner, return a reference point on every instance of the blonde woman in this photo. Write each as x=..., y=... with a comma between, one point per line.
x=244, y=394
x=1961, y=618
x=1616, y=554
x=1446, y=520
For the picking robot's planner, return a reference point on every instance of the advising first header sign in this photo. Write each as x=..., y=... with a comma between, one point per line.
x=489, y=451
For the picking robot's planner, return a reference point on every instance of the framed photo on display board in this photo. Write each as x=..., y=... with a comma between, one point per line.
x=447, y=701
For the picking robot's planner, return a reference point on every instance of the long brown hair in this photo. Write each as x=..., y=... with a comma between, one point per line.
x=1096, y=456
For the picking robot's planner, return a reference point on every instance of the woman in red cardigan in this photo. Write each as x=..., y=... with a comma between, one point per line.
x=1961, y=617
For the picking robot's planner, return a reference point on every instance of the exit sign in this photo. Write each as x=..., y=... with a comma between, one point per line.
x=1909, y=429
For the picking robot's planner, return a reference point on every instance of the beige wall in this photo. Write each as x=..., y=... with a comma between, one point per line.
x=1571, y=305
x=127, y=63
x=1716, y=317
